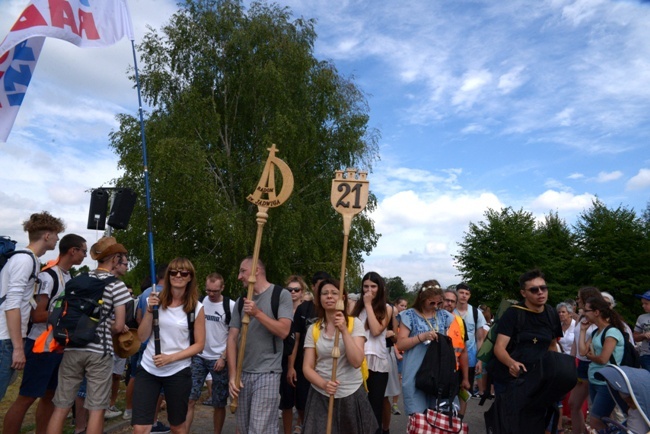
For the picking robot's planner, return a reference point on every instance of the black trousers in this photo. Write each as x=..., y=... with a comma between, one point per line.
x=377, y=382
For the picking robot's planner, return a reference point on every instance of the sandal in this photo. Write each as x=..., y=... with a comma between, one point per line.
x=297, y=429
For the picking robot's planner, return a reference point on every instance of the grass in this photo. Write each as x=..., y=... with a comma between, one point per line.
x=29, y=422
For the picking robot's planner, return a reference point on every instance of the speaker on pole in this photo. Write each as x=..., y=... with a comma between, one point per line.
x=122, y=207
x=98, y=208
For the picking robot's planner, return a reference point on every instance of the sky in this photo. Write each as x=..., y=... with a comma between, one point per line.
x=541, y=106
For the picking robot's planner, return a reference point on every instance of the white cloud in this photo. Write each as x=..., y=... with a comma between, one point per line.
x=576, y=176
x=471, y=86
x=420, y=232
x=639, y=181
x=511, y=80
x=608, y=176
x=563, y=201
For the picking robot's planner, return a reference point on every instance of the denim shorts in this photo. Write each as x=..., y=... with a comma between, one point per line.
x=602, y=403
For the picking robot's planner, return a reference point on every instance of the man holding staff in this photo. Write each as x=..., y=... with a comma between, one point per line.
x=258, y=391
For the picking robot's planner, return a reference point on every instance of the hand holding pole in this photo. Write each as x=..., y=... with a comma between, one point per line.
x=266, y=187
x=349, y=197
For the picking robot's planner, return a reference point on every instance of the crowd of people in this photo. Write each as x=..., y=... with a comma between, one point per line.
x=338, y=359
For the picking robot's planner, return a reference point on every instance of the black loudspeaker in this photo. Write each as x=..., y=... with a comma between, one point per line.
x=122, y=208
x=98, y=208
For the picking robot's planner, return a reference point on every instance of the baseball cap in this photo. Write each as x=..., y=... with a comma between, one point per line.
x=645, y=295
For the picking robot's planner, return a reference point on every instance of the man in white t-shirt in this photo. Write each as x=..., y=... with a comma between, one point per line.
x=41, y=369
x=18, y=280
x=212, y=359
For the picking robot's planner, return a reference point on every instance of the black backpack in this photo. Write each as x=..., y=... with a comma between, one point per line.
x=130, y=319
x=437, y=375
x=79, y=312
x=630, y=355
x=290, y=340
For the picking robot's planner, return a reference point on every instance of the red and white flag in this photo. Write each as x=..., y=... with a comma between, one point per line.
x=85, y=23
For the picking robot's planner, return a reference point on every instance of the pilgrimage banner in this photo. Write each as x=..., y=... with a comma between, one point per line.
x=84, y=23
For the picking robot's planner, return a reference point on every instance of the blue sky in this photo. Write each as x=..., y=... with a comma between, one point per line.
x=535, y=105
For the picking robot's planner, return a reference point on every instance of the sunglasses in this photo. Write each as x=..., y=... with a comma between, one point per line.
x=536, y=289
x=294, y=289
x=176, y=273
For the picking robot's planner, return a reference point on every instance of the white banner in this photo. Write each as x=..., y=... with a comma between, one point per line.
x=85, y=23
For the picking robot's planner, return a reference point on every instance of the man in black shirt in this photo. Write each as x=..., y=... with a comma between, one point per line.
x=527, y=336
x=304, y=317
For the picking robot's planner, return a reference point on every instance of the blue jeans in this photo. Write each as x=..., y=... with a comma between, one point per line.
x=6, y=372
x=645, y=362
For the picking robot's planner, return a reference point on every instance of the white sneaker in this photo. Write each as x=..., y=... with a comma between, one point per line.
x=112, y=412
x=127, y=414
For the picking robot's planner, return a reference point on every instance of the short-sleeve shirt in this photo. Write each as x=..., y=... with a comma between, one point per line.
x=643, y=326
x=115, y=294
x=304, y=317
x=594, y=367
x=471, y=331
x=529, y=344
x=174, y=337
x=349, y=376
x=216, y=329
x=45, y=288
x=260, y=356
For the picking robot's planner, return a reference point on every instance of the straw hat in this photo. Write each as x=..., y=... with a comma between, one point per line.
x=105, y=247
x=126, y=344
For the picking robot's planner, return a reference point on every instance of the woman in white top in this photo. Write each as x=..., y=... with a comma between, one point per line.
x=351, y=407
x=580, y=392
x=375, y=314
x=565, y=311
x=178, y=305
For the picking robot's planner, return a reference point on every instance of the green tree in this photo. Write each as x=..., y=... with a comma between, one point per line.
x=496, y=251
x=557, y=256
x=396, y=288
x=224, y=84
x=614, y=253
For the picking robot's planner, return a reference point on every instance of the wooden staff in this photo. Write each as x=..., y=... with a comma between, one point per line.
x=266, y=188
x=349, y=197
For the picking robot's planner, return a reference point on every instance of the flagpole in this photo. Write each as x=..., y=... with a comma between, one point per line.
x=152, y=264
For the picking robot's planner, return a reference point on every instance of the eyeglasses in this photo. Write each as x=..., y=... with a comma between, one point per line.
x=294, y=289
x=176, y=273
x=210, y=291
x=587, y=310
x=450, y=300
x=536, y=289
x=82, y=250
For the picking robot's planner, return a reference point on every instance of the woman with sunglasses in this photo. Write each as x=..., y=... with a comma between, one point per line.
x=375, y=314
x=297, y=287
x=352, y=411
x=418, y=326
x=605, y=346
x=178, y=304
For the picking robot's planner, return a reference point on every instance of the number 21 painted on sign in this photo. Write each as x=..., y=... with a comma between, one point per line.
x=346, y=190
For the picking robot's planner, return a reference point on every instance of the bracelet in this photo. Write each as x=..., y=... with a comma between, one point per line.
x=420, y=340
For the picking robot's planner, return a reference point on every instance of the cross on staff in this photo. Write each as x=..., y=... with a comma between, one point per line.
x=265, y=197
